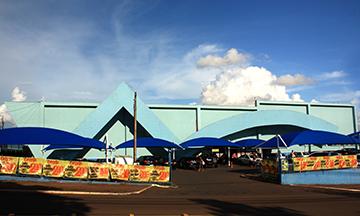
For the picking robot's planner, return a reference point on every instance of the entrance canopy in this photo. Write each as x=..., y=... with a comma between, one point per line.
x=148, y=142
x=45, y=136
x=307, y=137
x=208, y=141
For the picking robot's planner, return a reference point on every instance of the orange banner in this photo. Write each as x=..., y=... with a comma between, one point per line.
x=54, y=168
x=119, y=171
x=160, y=174
x=326, y=162
x=98, y=171
x=30, y=166
x=76, y=169
x=8, y=165
x=139, y=173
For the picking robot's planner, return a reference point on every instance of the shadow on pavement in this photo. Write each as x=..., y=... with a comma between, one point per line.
x=25, y=200
x=350, y=194
x=223, y=208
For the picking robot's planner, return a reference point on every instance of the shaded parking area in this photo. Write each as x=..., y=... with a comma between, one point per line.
x=216, y=191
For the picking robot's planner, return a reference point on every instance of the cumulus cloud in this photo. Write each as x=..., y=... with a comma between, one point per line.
x=17, y=95
x=298, y=79
x=232, y=58
x=241, y=86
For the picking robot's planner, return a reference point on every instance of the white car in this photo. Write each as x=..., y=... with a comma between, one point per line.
x=301, y=154
x=246, y=159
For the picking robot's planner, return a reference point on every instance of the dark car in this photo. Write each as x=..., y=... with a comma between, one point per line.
x=188, y=162
x=163, y=161
x=211, y=160
x=147, y=160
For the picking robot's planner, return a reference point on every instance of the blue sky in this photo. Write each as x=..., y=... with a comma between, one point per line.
x=181, y=52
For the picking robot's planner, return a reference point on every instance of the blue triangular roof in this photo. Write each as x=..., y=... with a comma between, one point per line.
x=123, y=98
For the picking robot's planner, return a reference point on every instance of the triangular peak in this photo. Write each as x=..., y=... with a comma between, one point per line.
x=123, y=98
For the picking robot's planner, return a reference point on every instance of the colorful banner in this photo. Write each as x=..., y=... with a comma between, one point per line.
x=54, y=168
x=268, y=166
x=160, y=174
x=326, y=162
x=30, y=166
x=8, y=165
x=98, y=171
x=140, y=173
x=76, y=169
x=119, y=171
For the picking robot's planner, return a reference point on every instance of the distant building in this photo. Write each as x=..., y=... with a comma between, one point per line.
x=177, y=123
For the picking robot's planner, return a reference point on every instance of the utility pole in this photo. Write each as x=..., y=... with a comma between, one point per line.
x=135, y=128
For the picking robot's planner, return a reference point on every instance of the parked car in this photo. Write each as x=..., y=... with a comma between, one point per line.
x=246, y=159
x=324, y=153
x=163, y=161
x=188, y=162
x=123, y=159
x=274, y=156
x=349, y=151
x=147, y=160
x=103, y=160
x=211, y=160
x=301, y=154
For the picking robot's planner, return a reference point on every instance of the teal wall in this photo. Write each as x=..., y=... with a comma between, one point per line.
x=177, y=123
x=66, y=116
x=181, y=120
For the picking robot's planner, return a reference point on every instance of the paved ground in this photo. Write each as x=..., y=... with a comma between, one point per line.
x=217, y=191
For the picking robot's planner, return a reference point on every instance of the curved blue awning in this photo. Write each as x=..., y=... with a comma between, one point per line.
x=263, y=118
x=308, y=137
x=148, y=142
x=208, y=141
x=45, y=136
x=249, y=142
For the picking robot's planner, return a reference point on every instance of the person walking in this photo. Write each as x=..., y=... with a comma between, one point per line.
x=201, y=165
x=255, y=157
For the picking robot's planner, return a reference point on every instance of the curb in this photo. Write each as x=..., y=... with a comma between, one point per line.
x=331, y=188
x=88, y=192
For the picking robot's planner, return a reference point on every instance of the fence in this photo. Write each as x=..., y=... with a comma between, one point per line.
x=303, y=164
x=82, y=170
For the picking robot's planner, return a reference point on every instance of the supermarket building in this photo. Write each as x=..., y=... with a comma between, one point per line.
x=114, y=117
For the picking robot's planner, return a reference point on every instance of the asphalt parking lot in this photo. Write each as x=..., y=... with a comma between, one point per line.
x=216, y=191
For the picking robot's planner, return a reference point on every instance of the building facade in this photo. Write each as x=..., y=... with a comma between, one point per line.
x=178, y=123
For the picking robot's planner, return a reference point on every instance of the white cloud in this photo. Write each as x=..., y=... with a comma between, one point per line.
x=331, y=75
x=341, y=97
x=240, y=86
x=298, y=79
x=232, y=58
x=4, y=112
x=17, y=95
